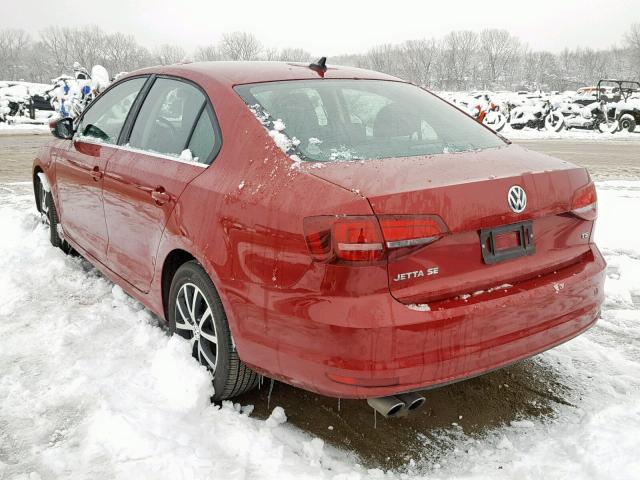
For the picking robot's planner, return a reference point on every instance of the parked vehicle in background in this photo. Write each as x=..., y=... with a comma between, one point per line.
x=594, y=116
x=481, y=107
x=70, y=95
x=538, y=116
x=335, y=228
x=622, y=98
x=22, y=101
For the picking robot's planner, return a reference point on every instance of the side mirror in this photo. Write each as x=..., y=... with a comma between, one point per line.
x=62, y=128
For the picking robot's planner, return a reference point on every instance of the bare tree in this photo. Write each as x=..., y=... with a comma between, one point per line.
x=383, y=58
x=13, y=48
x=270, y=54
x=499, y=50
x=58, y=45
x=416, y=60
x=209, y=53
x=122, y=53
x=633, y=42
x=459, y=60
x=88, y=45
x=293, y=55
x=240, y=46
x=459, y=48
x=168, y=54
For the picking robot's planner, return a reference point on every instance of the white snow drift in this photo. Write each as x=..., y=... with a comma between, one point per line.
x=91, y=387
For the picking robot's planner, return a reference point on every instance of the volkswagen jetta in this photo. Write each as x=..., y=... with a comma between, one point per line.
x=333, y=228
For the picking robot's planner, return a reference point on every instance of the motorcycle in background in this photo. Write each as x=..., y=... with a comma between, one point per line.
x=540, y=115
x=489, y=114
x=595, y=116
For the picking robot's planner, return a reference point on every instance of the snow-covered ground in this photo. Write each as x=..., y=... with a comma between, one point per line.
x=573, y=134
x=91, y=387
x=23, y=129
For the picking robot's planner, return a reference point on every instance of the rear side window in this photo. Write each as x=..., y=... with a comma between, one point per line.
x=167, y=117
x=203, y=140
x=103, y=121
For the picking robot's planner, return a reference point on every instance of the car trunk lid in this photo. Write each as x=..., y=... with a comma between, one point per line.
x=468, y=191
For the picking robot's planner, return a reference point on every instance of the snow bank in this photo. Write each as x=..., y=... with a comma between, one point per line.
x=91, y=387
x=573, y=134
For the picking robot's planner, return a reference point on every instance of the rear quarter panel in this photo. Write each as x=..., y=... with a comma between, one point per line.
x=242, y=220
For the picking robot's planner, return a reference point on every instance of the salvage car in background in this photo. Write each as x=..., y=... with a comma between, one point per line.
x=333, y=228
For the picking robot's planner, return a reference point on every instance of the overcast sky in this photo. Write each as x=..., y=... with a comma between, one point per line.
x=331, y=27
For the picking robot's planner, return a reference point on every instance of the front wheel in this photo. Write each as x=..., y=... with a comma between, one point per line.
x=196, y=314
x=627, y=122
x=554, y=122
x=49, y=215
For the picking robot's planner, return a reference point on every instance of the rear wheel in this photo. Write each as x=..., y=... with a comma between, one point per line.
x=611, y=126
x=627, y=122
x=196, y=314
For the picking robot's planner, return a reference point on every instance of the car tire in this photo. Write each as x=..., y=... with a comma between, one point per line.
x=41, y=200
x=196, y=313
x=627, y=122
x=49, y=213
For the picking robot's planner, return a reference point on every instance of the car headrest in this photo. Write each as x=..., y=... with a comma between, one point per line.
x=394, y=121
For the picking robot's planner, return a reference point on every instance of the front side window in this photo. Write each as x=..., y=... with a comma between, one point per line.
x=167, y=117
x=329, y=120
x=105, y=117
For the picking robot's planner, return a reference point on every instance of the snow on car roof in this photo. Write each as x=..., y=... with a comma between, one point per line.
x=237, y=73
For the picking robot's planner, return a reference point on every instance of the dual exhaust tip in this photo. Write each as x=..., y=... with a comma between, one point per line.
x=397, y=405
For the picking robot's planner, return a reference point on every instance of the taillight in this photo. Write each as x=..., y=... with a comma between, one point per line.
x=585, y=202
x=358, y=239
x=411, y=230
x=368, y=238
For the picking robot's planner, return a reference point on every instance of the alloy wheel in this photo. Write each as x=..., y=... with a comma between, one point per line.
x=194, y=321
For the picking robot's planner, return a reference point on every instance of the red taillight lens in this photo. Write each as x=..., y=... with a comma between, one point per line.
x=411, y=230
x=358, y=239
x=317, y=231
x=585, y=202
x=352, y=239
x=367, y=238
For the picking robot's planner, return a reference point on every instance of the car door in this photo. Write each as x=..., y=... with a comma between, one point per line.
x=171, y=142
x=81, y=164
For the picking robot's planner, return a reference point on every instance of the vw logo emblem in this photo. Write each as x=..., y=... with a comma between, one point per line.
x=517, y=199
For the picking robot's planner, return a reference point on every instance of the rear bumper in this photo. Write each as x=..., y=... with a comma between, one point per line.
x=406, y=350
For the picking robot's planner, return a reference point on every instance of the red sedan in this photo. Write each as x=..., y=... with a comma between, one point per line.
x=333, y=228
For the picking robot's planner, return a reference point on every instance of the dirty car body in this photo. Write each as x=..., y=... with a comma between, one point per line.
x=365, y=238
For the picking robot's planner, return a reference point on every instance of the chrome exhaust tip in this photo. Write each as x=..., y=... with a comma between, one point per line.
x=388, y=407
x=412, y=401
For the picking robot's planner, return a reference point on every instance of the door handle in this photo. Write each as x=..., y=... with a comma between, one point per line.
x=96, y=173
x=160, y=196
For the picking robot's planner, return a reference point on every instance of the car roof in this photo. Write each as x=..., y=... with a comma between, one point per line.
x=241, y=72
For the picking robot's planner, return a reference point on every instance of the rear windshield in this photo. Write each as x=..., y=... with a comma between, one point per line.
x=329, y=120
